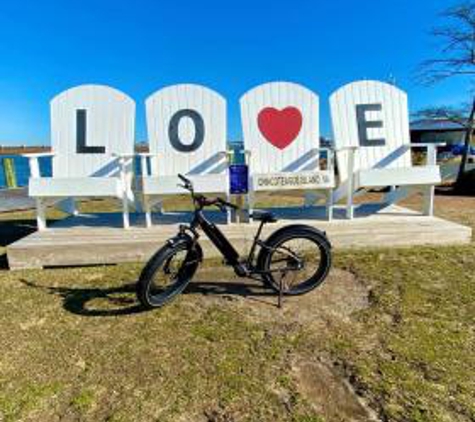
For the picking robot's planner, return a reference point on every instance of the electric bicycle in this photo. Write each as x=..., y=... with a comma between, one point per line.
x=293, y=260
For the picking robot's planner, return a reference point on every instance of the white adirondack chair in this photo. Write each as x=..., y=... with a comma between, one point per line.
x=372, y=139
x=92, y=129
x=187, y=134
x=280, y=122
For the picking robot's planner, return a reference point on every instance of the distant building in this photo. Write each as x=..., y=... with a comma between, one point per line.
x=326, y=142
x=437, y=130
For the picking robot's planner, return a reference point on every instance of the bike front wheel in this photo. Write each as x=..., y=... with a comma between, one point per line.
x=167, y=274
x=295, y=259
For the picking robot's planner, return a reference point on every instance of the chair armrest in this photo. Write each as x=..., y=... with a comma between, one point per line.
x=118, y=155
x=34, y=164
x=38, y=154
x=428, y=144
x=322, y=149
x=431, y=150
x=227, y=155
x=330, y=151
x=348, y=148
x=144, y=156
x=247, y=155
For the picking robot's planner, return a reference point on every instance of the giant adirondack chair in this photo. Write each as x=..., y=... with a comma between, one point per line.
x=372, y=139
x=187, y=134
x=92, y=142
x=280, y=123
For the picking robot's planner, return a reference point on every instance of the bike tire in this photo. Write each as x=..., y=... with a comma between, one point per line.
x=280, y=237
x=164, y=255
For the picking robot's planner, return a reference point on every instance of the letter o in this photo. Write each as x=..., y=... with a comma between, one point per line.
x=199, y=130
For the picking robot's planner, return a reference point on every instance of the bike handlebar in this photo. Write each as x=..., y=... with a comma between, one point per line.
x=184, y=179
x=202, y=200
x=220, y=203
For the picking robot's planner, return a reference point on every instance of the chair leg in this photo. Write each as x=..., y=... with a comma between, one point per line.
x=125, y=212
x=350, y=198
x=329, y=205
x=350, y=209
x=250, y=204
x=40, y=214
x=138, y=205
x=160, y=208
x=74, y=207
x=147, y=209
x=69, y=206
x=310, y=198
x=429, y=201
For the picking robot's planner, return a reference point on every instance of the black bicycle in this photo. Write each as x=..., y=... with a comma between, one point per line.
x=292, y=261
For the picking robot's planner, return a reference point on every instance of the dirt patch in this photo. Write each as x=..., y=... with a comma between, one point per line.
x=315, y=380
x=341, y=295
x=329, y=394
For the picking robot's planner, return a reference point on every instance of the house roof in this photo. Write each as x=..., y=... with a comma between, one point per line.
x=435, y=125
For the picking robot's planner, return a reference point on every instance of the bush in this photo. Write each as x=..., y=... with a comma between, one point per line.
x=466, y=185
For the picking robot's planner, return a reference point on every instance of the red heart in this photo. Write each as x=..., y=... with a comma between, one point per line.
x=280, y=127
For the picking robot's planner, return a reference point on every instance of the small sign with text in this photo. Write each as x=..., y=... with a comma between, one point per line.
x=303, y=180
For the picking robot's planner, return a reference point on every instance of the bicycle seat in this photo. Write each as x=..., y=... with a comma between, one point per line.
x=264, y=216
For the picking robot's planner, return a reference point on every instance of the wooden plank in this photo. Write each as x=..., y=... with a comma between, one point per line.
x=72, y=245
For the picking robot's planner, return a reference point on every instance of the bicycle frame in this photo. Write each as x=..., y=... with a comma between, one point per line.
x=243, y=268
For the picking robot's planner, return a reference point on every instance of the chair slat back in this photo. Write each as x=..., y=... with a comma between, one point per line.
x=372, y=116
x=187, y=131
x=280, y=123
x=89, y=124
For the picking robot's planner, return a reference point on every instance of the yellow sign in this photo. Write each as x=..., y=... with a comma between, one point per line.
x=9, y=169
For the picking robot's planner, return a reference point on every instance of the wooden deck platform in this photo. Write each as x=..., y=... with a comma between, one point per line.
x=15, y=200
x=99, y=239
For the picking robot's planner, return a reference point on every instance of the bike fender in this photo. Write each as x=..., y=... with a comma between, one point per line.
x=297, y=226
x=185, y=238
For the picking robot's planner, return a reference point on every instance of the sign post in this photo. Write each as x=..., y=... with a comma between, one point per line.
x=10, y=176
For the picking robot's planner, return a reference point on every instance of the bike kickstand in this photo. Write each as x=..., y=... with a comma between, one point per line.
x=280, y=302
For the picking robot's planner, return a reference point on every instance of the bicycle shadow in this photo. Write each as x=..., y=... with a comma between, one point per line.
x=121, y=301
x=246, y=288
x=115, y=301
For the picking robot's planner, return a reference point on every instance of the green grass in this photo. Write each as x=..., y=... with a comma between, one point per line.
x=412, y=350
x=192, y=356
x=73, y=345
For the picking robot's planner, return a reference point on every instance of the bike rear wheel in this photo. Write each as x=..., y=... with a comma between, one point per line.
x=296, y=259
x=167, y=274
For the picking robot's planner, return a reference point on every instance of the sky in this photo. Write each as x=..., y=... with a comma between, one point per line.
x=140, y=46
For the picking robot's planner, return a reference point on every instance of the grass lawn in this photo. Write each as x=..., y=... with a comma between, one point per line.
x=390, y=335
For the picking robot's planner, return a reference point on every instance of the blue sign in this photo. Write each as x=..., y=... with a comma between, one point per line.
x=239, y=178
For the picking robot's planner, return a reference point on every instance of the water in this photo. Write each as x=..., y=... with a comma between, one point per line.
x=22, y=169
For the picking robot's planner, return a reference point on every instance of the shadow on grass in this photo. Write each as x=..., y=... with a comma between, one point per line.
x=11, y=231
x=117, y=301
x=256, y=291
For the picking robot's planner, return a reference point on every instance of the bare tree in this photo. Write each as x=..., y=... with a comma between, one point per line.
x=457, y=46
x=456, y=58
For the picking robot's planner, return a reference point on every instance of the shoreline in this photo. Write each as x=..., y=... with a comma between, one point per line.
x=15, y=150
x=23, y=150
